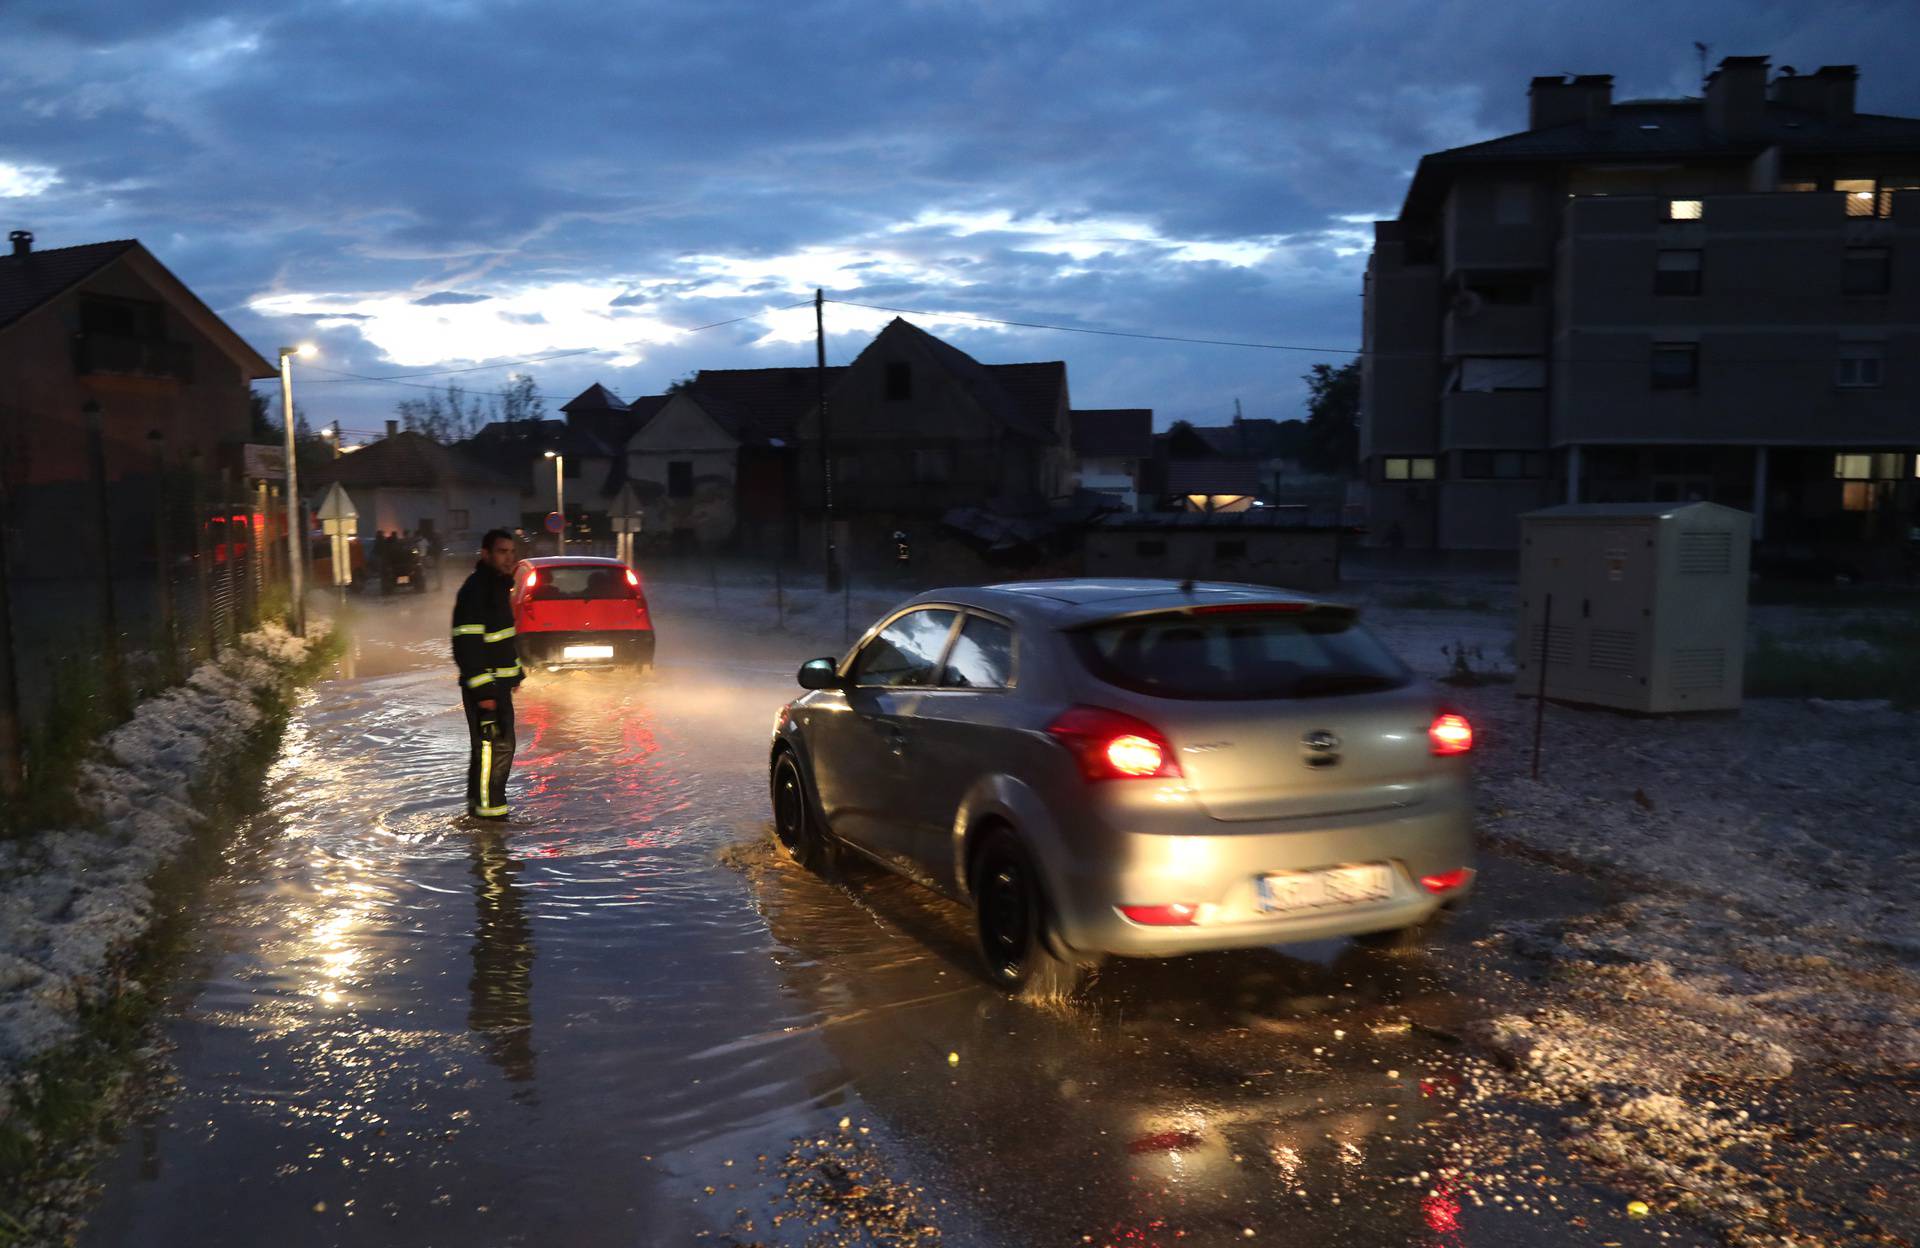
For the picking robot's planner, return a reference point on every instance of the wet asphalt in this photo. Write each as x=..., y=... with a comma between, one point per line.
x=625, y=1021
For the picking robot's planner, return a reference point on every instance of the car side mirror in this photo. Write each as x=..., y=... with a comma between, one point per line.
x=819, y=674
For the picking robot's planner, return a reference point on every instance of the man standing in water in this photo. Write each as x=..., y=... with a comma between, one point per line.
x=489, y=662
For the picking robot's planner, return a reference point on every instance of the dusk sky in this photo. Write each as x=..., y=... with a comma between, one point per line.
x=420, y=185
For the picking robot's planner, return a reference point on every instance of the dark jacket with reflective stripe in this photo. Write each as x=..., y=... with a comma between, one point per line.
x=483, y=644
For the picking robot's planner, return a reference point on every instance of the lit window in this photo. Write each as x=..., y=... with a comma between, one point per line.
x=1423, y=469
x=1859, y=365
x=1859, y=193
x=1866, y=271
x=1676, y=273
x=1676, y=365
x=1395, y=469
x=1857, y=496
x=1685, y=209
x=1853, y=467
x=1886, y=466
x=1799, y=186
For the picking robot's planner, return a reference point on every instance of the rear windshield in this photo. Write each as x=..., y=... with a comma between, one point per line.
x=1240, y=657
x=581, y=583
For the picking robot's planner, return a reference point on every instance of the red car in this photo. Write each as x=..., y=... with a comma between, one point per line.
x=579, y=611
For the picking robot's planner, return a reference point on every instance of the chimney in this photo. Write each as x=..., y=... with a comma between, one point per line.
x=1737, y=98
x=1556, y=100
x=393, y=428
x=1840, y=82
x=22, y=241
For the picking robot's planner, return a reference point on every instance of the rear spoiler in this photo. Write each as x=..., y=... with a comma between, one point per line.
x=1203, y=610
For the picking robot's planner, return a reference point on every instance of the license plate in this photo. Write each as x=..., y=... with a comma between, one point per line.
x=1330, y=886
x=586, y=652
x=403, y=580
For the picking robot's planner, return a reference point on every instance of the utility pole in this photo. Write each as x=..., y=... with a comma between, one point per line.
x=826, y=452
x=296, y=536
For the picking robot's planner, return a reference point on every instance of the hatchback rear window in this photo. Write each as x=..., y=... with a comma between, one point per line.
x=578, y=584
x=1240, y=657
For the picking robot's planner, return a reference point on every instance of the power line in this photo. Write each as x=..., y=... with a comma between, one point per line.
x=1106, y=333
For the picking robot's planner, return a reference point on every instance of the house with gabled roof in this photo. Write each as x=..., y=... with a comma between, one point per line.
x=408, y=483
x=107, y=324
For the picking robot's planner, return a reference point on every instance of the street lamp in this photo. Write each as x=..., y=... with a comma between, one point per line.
x=559, y=503
x=296, y=540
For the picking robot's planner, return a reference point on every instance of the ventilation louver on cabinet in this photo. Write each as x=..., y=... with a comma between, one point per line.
x=1559, y=645
x=1612, y=649
x=1706, y=554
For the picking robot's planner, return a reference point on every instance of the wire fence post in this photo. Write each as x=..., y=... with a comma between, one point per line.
x=1540, y=696
x=846, y=607
x=779, y=598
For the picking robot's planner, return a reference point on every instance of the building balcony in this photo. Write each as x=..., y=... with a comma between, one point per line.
x=1494, y=419
x=1479, y=328
x=120, y=355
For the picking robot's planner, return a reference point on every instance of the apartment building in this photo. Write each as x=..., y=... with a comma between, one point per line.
x=1654, y=300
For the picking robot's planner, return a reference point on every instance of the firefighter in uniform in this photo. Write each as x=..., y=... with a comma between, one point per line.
x=489, y=663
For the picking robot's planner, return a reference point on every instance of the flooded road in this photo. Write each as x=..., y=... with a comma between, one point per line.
x=623, y=1021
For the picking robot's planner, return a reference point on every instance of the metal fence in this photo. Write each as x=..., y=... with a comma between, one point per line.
x=111, y=591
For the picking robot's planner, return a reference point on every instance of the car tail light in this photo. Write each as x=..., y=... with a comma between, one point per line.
x=633, y=578
x=1112, y=746
x=1174, y=914
x=533, y=577
x=1447, y=881
x=1450, y=734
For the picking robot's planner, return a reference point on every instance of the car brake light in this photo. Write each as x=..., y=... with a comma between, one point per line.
x=1175, y=914
x=1450, y=734
x=533, y=577
x=1112, y=746
x=1447, y=881
x=633, y=578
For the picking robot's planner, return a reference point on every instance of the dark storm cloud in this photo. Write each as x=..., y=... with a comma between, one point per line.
x=685, y=162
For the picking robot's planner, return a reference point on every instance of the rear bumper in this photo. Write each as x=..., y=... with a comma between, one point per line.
x=1219, y=872
x=631, y=646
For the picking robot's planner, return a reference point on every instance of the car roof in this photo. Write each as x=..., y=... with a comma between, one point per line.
x=572, y=561
x=1082, y=600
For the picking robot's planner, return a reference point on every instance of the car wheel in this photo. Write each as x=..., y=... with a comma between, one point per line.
x=1394, y=938
x=795, y=830
x=1010, y=914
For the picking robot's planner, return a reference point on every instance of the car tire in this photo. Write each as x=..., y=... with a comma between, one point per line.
x=1393, y=938
x=796, y=832
x=1013, y=925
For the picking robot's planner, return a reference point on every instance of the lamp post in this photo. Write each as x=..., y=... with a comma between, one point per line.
x=559, y=502
x=296, y=566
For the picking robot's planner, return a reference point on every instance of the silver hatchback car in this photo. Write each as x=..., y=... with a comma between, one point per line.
x=1139, y=768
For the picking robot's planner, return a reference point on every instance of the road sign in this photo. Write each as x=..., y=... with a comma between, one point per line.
x=335, y=505
x=625, y=516
x=262, y=462
x=555, y=522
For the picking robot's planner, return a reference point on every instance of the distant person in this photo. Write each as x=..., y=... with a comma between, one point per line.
x=489, y=663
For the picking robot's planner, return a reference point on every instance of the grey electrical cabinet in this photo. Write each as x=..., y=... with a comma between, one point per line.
x=1649, y=604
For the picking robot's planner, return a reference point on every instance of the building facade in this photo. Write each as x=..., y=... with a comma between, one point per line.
x=1713, y=299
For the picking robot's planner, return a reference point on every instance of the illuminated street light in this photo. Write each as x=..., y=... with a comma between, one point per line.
x=296, y=540
x=559, y=502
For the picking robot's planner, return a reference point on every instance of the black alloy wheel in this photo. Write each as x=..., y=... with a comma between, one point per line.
x=1010, y=911
x=793, y=824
